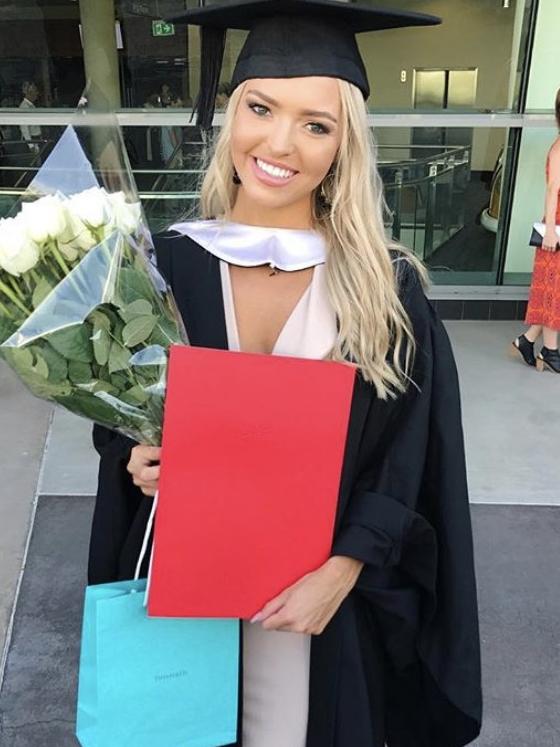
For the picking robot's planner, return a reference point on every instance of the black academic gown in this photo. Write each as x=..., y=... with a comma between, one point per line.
x=399, y=662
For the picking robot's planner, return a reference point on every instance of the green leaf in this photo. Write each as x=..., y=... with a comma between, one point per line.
x=20, y=358
x=40, y=366
x=119, y=381
x=140, y=262
x=136, y=308
x=79, y=373
x=104, y=386
x=117, y=331
x=58, y=367
x=73, y=343
x=134, y=396
x=45, y=389
x=102, y=317
x=91, y=407
x=138, y=330
x=119, y=358
x=42, y=290
x=101, y=345
x=134, y=285
x=166, y=333
x=147, y=376
x=40, y=386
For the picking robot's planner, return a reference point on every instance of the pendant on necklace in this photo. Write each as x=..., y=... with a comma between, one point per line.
x=274, y=269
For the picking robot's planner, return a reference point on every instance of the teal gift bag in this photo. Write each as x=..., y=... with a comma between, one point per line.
x=152, y=682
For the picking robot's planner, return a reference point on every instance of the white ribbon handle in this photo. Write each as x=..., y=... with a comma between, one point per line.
x=144, y=549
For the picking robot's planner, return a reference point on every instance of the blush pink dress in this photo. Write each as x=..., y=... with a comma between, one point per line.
x=276, y=664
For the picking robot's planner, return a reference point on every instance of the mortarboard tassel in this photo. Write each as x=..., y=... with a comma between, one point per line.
x=212, y=47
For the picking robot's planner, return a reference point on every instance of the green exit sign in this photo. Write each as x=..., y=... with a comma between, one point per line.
x=161, y=28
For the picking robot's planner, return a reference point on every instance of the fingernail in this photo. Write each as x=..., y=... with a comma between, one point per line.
x=257, y=618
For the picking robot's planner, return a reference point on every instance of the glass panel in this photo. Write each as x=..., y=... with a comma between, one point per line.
x=154, y=62
x=40, y=44
x=445, y=199
x=528, y=204
x=167, y=166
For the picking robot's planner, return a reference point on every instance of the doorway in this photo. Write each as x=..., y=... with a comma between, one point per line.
x=437, y=89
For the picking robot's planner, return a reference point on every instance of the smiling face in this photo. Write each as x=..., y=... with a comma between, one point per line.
x=285, y=137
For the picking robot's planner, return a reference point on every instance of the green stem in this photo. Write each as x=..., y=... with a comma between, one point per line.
x=51, y=271
x=6, y=290
x=59, y=259
x=6, y=312
x=15, y=287
x=55, y=271
x=35, y=275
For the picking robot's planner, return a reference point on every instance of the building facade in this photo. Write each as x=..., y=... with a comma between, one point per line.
x=462, y=115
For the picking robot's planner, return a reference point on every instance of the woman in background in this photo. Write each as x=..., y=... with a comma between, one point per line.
x=543, y=310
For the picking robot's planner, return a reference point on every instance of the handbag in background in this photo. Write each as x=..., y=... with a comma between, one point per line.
x=537, y=236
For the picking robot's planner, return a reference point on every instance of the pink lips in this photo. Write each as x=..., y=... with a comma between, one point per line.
x=271, y=181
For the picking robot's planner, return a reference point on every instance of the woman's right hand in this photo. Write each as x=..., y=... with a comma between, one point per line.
x=145, y=474
x=550, y=240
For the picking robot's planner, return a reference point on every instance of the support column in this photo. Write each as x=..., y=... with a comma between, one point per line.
x=194, y=61
x=100, y=54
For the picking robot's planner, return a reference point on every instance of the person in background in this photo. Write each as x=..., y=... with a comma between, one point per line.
x=543, y=310
x=152, y=145
x=166, y=95
x=171, y=138
x=30, y=132
x=222, y=96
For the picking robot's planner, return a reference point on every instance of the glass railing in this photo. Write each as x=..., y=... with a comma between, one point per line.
x=425, y=190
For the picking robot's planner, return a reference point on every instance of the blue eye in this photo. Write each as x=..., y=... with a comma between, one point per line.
x=259, y=109
x=318, y=129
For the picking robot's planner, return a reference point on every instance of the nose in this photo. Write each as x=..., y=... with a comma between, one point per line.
x=281, y=138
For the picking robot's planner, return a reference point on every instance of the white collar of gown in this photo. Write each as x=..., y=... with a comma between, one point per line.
x=287, y=249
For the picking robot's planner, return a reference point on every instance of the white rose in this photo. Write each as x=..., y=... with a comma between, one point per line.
x=77, y=237
x=68, y=251
x=127, y=215
x=18, y=252
x=92, y=207
x=45, y=219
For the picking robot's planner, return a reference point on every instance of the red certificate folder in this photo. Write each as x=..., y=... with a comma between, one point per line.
x=251, y=462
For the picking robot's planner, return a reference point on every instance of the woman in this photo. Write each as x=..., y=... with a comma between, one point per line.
x=380, y=644
x=543, y=310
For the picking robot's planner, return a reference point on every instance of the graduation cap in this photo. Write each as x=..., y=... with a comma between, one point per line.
x=288, y=39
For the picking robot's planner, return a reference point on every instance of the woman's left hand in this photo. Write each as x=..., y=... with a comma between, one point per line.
x=309, y=605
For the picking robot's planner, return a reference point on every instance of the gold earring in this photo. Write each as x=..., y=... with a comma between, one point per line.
x=324, y=196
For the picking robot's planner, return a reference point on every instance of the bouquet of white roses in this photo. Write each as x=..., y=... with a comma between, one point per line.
x=85, y=318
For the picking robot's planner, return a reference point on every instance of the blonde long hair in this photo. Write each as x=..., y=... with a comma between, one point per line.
x=374, y=329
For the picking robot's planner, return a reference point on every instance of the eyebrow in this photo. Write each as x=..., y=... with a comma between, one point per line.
x=306, y=112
